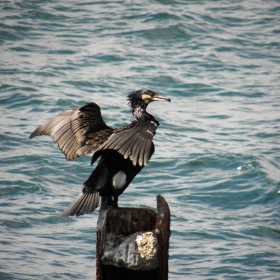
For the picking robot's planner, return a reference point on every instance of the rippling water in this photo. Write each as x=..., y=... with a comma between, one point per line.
x=217, y=150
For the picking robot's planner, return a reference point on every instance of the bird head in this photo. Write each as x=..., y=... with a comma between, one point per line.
x=143, y=97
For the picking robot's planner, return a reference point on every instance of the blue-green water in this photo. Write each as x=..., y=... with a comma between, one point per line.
x=217, y=154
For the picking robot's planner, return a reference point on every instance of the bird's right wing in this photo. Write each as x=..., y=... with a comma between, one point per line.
x=133, y=141
x=78, y=131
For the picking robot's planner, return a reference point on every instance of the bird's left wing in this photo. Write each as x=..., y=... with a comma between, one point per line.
x=78, y=131
x=133, y=141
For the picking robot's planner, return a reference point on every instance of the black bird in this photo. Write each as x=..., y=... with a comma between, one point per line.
x=123, y=152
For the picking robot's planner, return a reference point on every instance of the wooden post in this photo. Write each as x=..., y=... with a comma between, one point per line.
x=133, y=243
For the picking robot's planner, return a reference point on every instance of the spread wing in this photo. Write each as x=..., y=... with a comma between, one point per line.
x=133, y=141
x=78, y=131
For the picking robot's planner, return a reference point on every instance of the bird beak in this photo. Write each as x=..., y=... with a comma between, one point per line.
x=161, y=98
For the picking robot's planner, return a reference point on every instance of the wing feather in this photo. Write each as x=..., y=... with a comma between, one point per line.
x=141, y=154
x=130, y=148
x=133, y=141
x=146, y=153
x=77, y=131
x=136, y=150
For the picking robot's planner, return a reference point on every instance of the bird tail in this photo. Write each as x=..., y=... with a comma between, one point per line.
x=84, y=204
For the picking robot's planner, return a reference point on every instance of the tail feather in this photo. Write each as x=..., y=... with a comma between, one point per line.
x=84, y=204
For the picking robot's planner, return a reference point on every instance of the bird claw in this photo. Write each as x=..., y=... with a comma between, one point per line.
x=109, y=202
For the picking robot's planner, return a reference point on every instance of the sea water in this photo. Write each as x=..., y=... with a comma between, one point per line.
x=217, y=152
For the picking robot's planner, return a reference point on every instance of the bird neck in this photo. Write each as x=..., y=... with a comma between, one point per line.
x=140, y=113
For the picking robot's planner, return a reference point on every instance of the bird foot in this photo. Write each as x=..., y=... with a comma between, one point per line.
x=109, y=202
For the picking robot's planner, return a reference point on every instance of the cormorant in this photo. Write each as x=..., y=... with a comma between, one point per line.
x=123, y=152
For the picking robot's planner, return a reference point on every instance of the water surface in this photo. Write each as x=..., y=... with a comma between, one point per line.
x=217, y=150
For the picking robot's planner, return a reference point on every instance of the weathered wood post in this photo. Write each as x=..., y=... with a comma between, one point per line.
x=133, y=243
